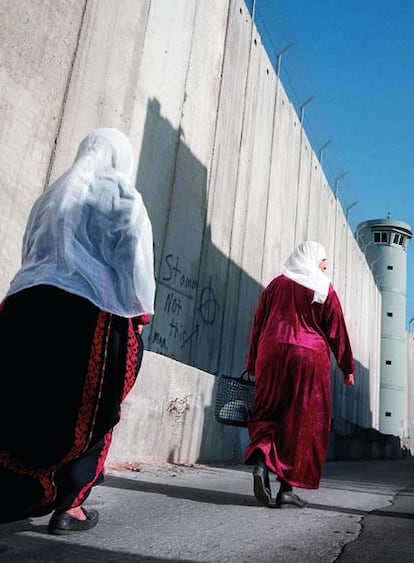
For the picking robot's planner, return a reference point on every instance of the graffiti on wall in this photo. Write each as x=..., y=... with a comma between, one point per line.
x=179, y=297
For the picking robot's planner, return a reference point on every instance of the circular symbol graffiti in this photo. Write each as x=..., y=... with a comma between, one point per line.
x=208, y=305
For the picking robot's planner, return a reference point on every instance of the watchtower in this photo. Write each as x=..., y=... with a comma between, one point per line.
x=384, y=243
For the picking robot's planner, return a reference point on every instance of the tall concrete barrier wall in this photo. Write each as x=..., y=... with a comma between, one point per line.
x=228, y=175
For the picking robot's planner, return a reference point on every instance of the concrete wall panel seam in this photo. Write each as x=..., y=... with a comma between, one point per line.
x=66, y=92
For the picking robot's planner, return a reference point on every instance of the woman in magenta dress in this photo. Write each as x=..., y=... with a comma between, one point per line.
x=298, y=321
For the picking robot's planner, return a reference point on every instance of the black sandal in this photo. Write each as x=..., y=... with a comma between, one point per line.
x=261, y=484
x=288, y=499
x=63, y=523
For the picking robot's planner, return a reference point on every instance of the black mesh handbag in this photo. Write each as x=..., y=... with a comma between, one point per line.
x=234, y=399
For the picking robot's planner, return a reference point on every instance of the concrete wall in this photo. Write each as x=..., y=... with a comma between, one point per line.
x=38, y=42
x=169, y=416
x=227, y=173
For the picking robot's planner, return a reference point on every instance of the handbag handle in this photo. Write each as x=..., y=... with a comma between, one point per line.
x=247, y=377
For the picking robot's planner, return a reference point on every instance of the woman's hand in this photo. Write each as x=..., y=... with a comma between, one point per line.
x=349, y=379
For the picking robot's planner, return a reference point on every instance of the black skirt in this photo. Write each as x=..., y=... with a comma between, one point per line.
x=65, y=368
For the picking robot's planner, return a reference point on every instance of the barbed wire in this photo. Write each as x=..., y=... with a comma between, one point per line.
x=291, y=80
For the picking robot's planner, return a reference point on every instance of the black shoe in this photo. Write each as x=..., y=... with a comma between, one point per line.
x=289, y=498
x=63, y=523
x=261, y=484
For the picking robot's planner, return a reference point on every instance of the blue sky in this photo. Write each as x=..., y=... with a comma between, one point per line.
x=357, y=58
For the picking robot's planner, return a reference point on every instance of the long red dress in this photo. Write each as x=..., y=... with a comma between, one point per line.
x=289, y=355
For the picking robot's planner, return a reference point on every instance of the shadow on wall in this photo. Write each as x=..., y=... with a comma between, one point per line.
x=204, y=302
x=350, y=440
x=198, y=438
x=352, y=404
x=198, y=318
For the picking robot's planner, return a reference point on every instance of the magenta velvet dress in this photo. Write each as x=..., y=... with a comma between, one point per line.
x=289, y=355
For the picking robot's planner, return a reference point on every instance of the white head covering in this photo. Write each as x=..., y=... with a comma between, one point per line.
x=302, y=266
x=89, y=232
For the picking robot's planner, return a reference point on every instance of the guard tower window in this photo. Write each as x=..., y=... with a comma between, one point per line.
x=389, y=314
x=380, y=237
x=390, y=267
x=388, y=362
x=398, y=239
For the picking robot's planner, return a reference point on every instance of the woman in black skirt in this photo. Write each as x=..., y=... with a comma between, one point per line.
x=70, y=334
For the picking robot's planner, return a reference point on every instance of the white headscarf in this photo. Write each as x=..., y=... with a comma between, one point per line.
x=89, y=232
x=302, y=266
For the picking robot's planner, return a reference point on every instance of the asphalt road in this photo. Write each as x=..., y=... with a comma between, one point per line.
x=363, y=511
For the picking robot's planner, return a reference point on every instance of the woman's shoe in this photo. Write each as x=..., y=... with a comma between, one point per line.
x=261, y=484
x=63, y=523
x=288, y=498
